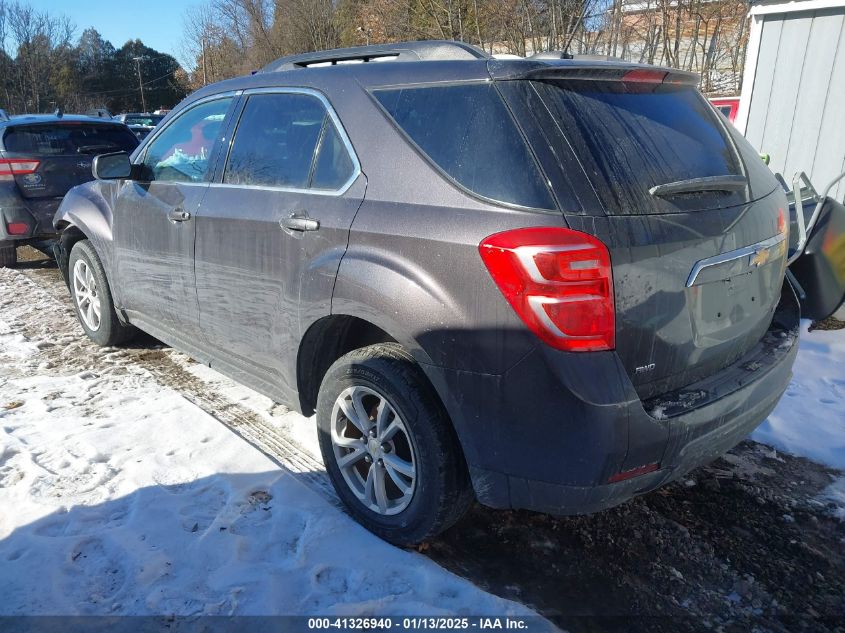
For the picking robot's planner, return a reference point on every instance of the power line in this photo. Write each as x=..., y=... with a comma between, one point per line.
x=125, y=91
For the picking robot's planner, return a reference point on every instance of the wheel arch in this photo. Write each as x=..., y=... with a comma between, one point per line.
x=85, y=213
x=326, y=340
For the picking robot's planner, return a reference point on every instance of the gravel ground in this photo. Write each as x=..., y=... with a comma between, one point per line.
x=748, y=543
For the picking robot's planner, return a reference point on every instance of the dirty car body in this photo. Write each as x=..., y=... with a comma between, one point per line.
x=585, y=262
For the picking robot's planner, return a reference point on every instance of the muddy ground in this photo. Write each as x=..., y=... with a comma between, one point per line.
x=745, y=544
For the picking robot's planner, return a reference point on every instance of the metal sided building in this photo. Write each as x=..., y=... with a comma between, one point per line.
x=793, y=93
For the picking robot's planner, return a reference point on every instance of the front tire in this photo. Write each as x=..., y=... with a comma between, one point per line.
x=91, y=295
x=389, y=447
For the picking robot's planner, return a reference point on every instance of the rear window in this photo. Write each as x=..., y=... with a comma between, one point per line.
x=631, y=137
x=69, y=139
x=467, y=131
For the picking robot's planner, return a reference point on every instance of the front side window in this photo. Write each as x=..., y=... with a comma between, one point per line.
x=287, y=140
x=466, y=130
x=181, y=152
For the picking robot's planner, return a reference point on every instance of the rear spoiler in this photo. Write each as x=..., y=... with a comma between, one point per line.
x=590, y=70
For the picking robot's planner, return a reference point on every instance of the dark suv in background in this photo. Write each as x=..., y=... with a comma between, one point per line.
x=140, y=123
x=544, y=284
x=41, y=157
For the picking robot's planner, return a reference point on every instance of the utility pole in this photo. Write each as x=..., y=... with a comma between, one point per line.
x=204, y=73
x=140, y=82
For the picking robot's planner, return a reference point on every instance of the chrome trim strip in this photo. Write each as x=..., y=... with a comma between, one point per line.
x=526, y=255
x=318, y=192
x=730, y=256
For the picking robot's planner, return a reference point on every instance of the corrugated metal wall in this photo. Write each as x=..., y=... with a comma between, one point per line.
x=797, y=110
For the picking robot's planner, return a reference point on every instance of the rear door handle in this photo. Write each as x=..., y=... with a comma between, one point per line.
x=298, y=222
x=179, y=215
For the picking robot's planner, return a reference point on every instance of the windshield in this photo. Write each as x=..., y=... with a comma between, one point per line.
x=68, y=139
x=149, y=121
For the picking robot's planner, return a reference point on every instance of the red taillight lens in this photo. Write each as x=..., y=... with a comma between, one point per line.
x=634, y=472
x=17, y=166
x=17, y=228
x=782, y=227
x=559, y=282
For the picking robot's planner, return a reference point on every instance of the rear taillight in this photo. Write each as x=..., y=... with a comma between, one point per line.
x=634, y=472
x=10, y=167
x=559, y=282
x=17, y=228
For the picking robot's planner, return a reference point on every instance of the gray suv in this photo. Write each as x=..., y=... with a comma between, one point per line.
x=549, y=284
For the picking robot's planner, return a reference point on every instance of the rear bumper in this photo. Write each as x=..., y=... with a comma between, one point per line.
x=36, y=214
x=551, y=433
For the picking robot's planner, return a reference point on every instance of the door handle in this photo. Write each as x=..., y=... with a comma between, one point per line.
x=179, y=215
x=299, y=222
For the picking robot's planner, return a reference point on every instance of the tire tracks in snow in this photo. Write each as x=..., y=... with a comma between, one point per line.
x=64, y=346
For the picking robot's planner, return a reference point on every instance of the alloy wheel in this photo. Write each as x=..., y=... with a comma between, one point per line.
x=373, y=450
x=87, y=297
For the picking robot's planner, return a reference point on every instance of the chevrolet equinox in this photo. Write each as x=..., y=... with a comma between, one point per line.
x=540, y=283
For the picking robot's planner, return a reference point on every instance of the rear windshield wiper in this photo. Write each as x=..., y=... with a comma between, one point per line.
x=694, y=185
x=93, y=149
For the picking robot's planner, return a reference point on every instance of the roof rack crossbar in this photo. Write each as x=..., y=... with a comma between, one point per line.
x=432, y=50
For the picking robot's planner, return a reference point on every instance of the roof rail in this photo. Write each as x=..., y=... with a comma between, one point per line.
x=3, y=115
x=432, y=50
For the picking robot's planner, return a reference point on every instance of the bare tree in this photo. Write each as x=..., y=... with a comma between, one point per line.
x=227, y=37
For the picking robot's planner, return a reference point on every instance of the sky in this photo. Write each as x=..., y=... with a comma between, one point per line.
x=158, y=23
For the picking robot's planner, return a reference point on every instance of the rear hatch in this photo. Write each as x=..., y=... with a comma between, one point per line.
x=693, y=220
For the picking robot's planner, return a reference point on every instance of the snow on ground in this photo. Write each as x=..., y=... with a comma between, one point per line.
x=810, y=419
x=118, y=496
x=300, y=431
x=835, y=494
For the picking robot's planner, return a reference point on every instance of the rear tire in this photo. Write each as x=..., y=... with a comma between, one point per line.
x=91, y=295
x=419, y=468
x=8, y=257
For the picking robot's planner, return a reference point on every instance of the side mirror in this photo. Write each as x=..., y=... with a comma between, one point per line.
x=111, y=166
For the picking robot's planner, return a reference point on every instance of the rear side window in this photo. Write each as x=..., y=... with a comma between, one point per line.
x=287, y=140
x=467, y=131
x=334, y=166
x=631, y=137
x=69, y=139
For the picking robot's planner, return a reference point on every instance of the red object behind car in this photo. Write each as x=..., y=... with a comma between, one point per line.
x=727, y=106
